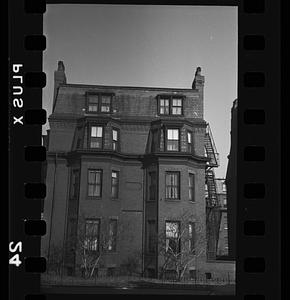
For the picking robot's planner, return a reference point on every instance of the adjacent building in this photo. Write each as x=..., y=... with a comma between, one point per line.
x=126, y=170
x=231, y=181
x=223, y=245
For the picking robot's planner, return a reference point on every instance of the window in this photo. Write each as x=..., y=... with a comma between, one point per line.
x=172, y=140
x=191, y=233
x=151, y=236
x=189, y=141
x=152, y=186
x=172, y=185
x=96, y=137
x=191, y=187
x=105, y=103
x=170, y=105
x=115, y=184
x=172, y=237
x=224, y=187
x=95, y=183
x=176, y=106
x=99, y=103
x=93, y=103
x=74, y=184
x=112, y=244
x=92, y=235
x=225, y=202
x=164, y=106
x=115, y=139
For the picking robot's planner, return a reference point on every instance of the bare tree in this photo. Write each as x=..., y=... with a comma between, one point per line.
x=95, y=239
x=181, y=243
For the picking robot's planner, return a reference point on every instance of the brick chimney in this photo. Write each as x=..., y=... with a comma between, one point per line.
x=59, y=78
x=198, y=81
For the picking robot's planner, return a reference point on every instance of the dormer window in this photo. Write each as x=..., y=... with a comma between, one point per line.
x=170, y=105
x=99, y=102
x=93, y=103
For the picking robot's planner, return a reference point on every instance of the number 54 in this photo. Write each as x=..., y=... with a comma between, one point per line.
x=14, y=260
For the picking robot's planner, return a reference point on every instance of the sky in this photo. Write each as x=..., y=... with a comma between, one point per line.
x=153, y=46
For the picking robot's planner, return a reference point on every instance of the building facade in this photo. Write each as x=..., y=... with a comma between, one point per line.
x=223, y=245
x=231, y=181
x=126, y=171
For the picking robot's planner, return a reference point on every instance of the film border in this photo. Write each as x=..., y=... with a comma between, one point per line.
x=258, y=126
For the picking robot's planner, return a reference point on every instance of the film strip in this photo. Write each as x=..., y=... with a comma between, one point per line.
x=258, y=231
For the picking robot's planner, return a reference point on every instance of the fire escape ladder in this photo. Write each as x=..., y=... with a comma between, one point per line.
x=210, y=149
x=213, y=212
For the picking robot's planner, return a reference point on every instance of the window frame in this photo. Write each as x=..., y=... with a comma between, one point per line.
x=117, y=143
x=191, y=188
x=115, y=185
x=99, y=105
x=178, y=238
x=192, y=237
x=98, y=221
x=114, y=236
x=166, y=139
x=178, y=185
x=170, y=98
x=101, y=183
x=90, y=137
x=189, y=146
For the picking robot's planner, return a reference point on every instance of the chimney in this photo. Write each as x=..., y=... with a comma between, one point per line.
x=59, y=78
x=198, y=82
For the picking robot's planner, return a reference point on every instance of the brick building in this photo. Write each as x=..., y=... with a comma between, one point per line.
x=223, y=245
x=123, y=163
x=231, y=181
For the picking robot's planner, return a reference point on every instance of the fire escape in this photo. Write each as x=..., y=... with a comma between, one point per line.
x=213, y=212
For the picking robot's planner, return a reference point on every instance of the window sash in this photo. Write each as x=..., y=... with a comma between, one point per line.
x=191, y=233
x=172, y=139
x=164, y=106
x=115, y=139
x=96, y=137
x=115, y=184
x=172, y=230
x=176, y=107
x=95, y=183
x=191, y=186
x=105, y=103
x=112, y=243
x=93, y=103
x=172, y=185
x=189, y=141
x=92, y=235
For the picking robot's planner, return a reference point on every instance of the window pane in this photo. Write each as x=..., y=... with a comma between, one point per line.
x=189, y=137
x=93, y=99
x=176, y=102
x=93, y=131
x=176, y=110
x=115, y=135
x=91, y=176
x=106, y=102
x=99, y=131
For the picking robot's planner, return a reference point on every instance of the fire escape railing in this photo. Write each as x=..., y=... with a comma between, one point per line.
x=213, y=213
